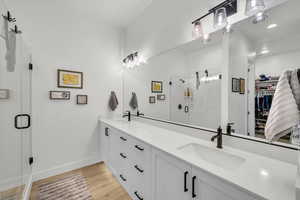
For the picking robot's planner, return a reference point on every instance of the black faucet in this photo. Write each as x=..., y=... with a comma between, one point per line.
x=128, y=114
x=138, y=113
x=219, y=137
x=229, y=128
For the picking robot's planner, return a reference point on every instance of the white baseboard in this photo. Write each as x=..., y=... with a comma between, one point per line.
x=11, y=183
x=93, y=159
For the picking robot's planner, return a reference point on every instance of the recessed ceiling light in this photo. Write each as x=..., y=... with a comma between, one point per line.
x=272, y=26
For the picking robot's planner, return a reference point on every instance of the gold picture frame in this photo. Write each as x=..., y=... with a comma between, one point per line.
x=69, y=79
x=157, y=86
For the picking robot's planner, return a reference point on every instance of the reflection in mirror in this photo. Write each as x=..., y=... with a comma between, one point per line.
x=271, y=73
x=190, y=77
x=232, y=79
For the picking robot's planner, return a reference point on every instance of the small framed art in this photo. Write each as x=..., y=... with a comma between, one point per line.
x=157, y=86
x=69, y=79
x=82, y=99
x=161, y=97
x=235, y=85
x=4, y=94
x=59, y=95
x=152, y=100
x=242, y=86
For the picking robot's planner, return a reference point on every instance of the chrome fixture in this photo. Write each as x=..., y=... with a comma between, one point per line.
x=219, y=138
x=133, y=60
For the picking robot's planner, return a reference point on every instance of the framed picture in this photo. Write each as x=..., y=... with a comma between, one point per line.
x=82, y=99
x=157, y=86
x=161, y=97
x=152, y=100
x=69, y=79
x=4, y=94
x=60, y=95
x=235, y=85
x=242, y=86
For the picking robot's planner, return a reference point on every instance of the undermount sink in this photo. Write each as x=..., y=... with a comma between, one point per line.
x=214, y=156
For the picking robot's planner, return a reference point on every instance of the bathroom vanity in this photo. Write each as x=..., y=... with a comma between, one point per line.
x=154, y=163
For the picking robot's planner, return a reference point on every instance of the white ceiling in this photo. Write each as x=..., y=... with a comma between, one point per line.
x=115, y=12
x=284, y=38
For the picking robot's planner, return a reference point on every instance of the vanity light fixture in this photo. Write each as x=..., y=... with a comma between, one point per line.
x=133, y=60
x=272, y=26
x=198, y=30
x=264, y=51
x=259, y=17
x=253, y=7
x=220, y=18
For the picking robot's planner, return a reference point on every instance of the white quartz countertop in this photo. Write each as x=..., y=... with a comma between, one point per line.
x=268, y=178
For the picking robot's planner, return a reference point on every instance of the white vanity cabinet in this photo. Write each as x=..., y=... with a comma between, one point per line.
x=148, y=173
x=172, y=178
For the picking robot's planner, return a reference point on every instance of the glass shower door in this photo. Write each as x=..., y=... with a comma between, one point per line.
x=15, y=123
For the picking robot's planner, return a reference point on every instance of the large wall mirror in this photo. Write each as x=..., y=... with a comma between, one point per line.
x=230, y=78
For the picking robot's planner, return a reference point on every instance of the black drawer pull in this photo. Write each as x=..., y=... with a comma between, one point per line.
x=139, y=148
x=185, y=181
x=122, y=177
x=139, y=169
x=124, y=139
x=123, y=156
x=138, y=196
x=106, y=132
x=193, y=187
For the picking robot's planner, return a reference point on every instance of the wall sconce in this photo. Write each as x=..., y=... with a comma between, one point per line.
x=198, y=30
x=133, y=60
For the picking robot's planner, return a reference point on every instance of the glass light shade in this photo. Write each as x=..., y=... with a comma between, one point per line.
x=254, y=6
x=220, y=18
x=198, y=30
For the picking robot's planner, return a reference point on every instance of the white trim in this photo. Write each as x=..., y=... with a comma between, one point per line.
x=11, y=183
x=27, y=190
x=93, y=159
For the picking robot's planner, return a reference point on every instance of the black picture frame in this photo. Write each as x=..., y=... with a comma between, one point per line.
x=235, y=85
x=64, y=95
x=161, y=97
x=59, y=74
x=153, y=90
x=152, y=100
x=78, y=100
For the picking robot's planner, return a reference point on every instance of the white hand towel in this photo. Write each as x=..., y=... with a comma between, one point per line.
x=11, y=52
x=295, y=85
x=284, y=113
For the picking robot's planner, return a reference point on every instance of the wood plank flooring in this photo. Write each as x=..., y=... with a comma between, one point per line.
x=102, y=184
x=14, y=193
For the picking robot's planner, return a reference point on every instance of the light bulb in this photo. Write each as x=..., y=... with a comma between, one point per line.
x=220, y=18
x=198, y=31
x=260, y=17
x=254, y=6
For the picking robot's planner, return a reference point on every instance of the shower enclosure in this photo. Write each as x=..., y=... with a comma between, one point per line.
x=15, y=118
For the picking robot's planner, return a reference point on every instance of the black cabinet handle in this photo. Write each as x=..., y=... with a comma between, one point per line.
x=124, y=139
x=138, y=196
x=122, y=177
x=106, y=132
x=193, y=187
x=185, y=181
x=123, y=156
x=139, y=148
x=139, y=169
x=28, y=121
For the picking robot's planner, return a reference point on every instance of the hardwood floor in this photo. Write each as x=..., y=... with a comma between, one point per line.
x=14, y=193
x=102, y=184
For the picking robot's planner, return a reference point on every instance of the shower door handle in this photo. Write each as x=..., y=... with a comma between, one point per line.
x=28, y=117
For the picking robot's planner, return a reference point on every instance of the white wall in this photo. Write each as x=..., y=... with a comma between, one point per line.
x=65, y=134
x=276, y=65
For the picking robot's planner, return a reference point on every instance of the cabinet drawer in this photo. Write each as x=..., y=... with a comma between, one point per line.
x=140, y=153
x=123, y=142
x=136, y=194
